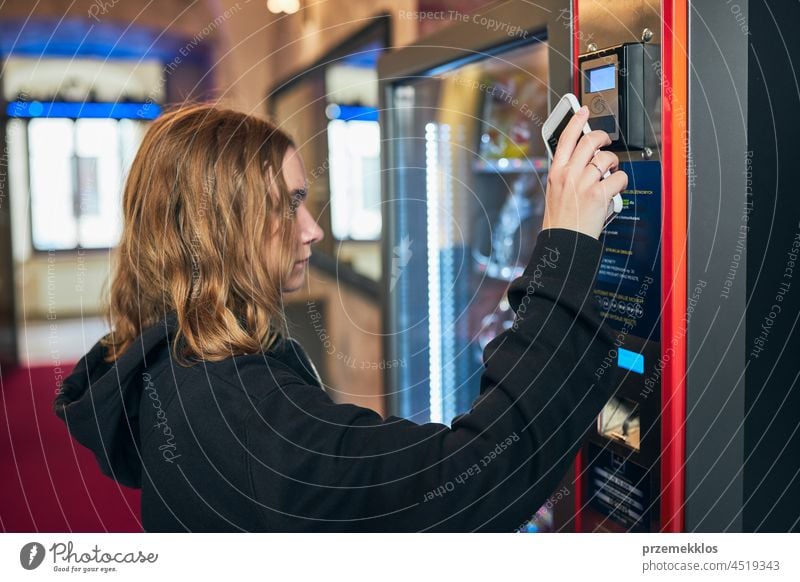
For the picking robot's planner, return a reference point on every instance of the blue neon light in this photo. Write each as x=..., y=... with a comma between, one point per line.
x=77, y=110
x=630, y=361
x=367, y=56
x=354, y=113
x=93, y=37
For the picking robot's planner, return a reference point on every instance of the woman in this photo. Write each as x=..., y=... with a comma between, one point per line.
x=198, y=398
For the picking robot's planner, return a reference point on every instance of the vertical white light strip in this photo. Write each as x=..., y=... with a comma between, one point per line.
x=434, y=283
x=449, y=380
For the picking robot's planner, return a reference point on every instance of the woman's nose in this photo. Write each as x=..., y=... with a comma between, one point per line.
x=310, y=230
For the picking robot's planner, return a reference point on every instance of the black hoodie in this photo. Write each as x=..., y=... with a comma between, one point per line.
x=254, y=443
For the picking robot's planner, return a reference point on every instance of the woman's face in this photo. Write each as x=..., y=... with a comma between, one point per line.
x=308, y=231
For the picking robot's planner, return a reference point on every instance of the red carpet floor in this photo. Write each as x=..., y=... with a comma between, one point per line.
x=48, y=482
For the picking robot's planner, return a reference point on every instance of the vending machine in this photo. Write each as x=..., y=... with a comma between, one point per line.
x=465, y=170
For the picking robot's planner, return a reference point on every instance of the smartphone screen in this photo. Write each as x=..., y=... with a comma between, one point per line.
x=552, y=141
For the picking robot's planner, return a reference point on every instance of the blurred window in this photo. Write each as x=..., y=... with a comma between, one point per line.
x=77, y=169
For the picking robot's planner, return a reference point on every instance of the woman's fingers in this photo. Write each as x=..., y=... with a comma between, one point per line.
x=601, y=163
x=569, y=137
x=613, y=185
x=577, y=194
x=586, y=149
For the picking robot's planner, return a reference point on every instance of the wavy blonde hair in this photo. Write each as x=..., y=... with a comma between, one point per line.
x=208, y=232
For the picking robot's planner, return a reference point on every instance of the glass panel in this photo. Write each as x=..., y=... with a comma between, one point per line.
x=470, y=173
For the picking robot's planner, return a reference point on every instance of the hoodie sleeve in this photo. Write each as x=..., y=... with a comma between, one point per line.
x=314, y=464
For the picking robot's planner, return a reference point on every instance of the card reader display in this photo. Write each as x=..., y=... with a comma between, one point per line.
x=619, y=85
x=602, y=78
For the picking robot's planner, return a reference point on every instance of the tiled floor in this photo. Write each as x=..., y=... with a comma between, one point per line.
x=57, y=342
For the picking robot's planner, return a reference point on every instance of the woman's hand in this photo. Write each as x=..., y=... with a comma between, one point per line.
x=577, y=196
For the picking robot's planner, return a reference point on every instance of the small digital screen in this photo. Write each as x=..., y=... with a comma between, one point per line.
x=602, y=78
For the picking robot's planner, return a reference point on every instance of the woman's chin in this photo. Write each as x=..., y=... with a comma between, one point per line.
x=293, y=284
x=296, y=278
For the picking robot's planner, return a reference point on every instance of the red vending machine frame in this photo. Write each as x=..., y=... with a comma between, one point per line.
x=674, y=123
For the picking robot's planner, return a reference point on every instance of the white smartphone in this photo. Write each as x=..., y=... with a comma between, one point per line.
x=555, y=124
